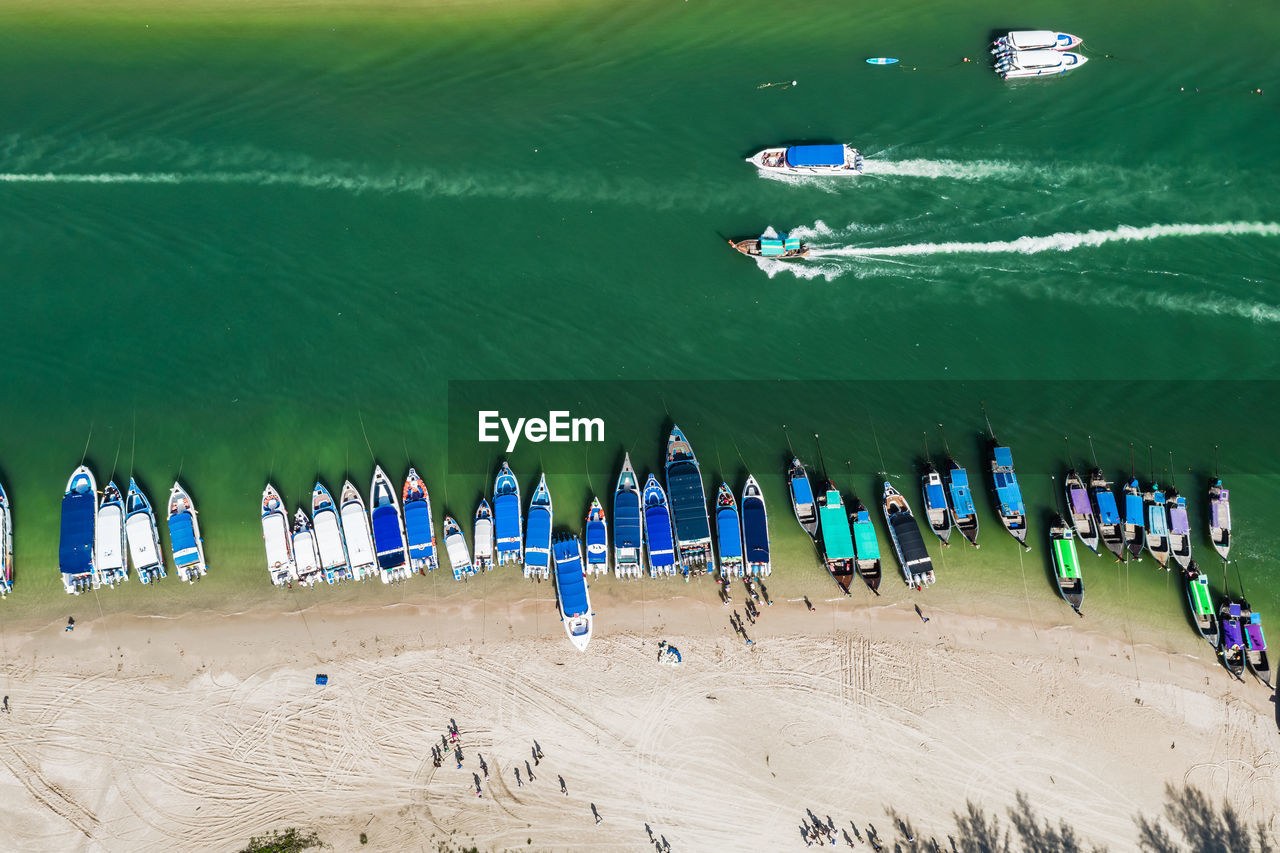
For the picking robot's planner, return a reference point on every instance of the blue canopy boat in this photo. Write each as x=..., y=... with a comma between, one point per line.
x=1133, y=520
x=184, y=535
x=110, y=551
x=1110, y=524
x=388, y=528
x=806, y=508
x=688, y=506
x=571, y=592
x=1157, y=525
x=330, y=541
x=866, y=546
x=657, y=530
x=508, y=545
x=913, y=557
x=729, y=533
x=779, y=248
x=419, y=530
x=1009, y=506
x=6, y=545
x=75, y=543
x=755, y=530
x=597, y=531
x=963, y=512
x=809, y=160
x=628, y=529
x=537, y=540
x=935, y=503
x=144, y=537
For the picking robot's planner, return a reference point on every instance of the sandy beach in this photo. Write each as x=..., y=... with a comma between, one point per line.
x=197, y=732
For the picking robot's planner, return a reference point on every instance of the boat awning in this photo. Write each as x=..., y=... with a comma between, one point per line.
x=417, y=529
x=538, y=538
x=658, y=526
x=688, y=502
x=107, y=551
x=728, y=534
x=1033, y=39
x=800, y=491
x=506, y=511
x=837, y=541
x=935, y=497
x=1107, y=511
x=569, y=581
x=484, y=536
x=75, y=546
x=910, y=542
x=755, y=525
x=1008, y=493
x=597, y=534
x=961, y=497
x=1178, y=521
x=1220, y=512
x=457, y=548
x=1133, y=510
x=771, y=247
x=815, y=155
x=329, y=538
x=1080, y=502
x=791, y=244
x=1253, y=634
x=1003, y=457
x=864, y=538
x=355, y=524
x=1065, y=551
x=626, y=520
x=386, y=537
x=182, y=537
x=275, y=533
x=1231, y=632
x=1039, y=59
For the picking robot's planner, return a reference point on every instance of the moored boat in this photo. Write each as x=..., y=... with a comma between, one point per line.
x=935, y=503
x=482, y=534
x=755, y=530
x=597, y=535
x=1134, y=524
x=1220, y=518
x=572, y=596
x=908, y=544
x=110, y=553
x=1035, y=40
x=1110, y=523
x=1066, y=564
x=537, y=540
x=729, y=533
x=1157, y=525
x=628, y=526
x=836, y=537
x=277, y=539
x=455, y=545
x=355, y=527
x=1255, y=644
x=1179, y=527
x=659, y=541
x=76, y=538
x=802, y=502
x=419, y=527
x=1009, y=507
x=1200, y=598
x=1037, y=63
x=508, y=518
x=688, y=502
x=809, y=160
x=388, y=528
x=1081, y=510
x=305, y=554
x=866, y=546
x=330, y=542
x=184, y=536
x=6, y=545
x=964, y=515
x=143, y=535
x=1231, y=646
x=778, y=248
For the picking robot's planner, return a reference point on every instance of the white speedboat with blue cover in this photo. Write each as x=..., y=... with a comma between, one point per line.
x=278, y=539
x=913, y=557
x=144, y=537
x=109, y=548
x=508, y=544
x=388, y=528
x=306, y=555
x=688, y=502
x=330, y=542
x=184, y=535
x=355, y=527
x=537, y=542
x=1034, y=40
x=809, y=160
x=657, y=530
x=482, y=533
x=455, y=545
x=597, y=534
x=1037, y=63
x=628, y=524
x=755, y=530
x=6, y=545
x=419, y=527
x=75, y=542
x=571, y=592
x=729, y=533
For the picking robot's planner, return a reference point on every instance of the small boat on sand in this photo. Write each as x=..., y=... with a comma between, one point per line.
x=1081, y=510
x=1034, y=40
x=628, y=525
x=935, y=503
x=809, y=160
x=1220, y=518
x=657, y=530
x=964, y=515
x=688, y=502
x=1157, y=525
x=1231, y=646
x=779, y=248
x=1110, y=523
x=1066, y=564
x=330, y=542
x=806, y=508
x=572, y=596
x=6, y=545
x=419, y=526
x=597, y=537
x=1179, y=528
x=755, y=530
x=276, y=535
x=455, y=545
x=1200, y=598
x=184, y=536
x=537, y=538
x=355, y=525
x=482, y=534
x=728, y=533
x=305, y=554
x=508, y=523
x=76, y=539
x=1037, y=63
x=837, y=538
x=388, y=528
x=143, y=535
x=913, y=557
x=1255, y=645
x=109, y=548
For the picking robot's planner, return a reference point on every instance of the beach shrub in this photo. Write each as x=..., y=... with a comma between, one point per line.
x=290, y=840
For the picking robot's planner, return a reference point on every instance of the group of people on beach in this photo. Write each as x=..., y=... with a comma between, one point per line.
x=816, y=830
x=750, y=604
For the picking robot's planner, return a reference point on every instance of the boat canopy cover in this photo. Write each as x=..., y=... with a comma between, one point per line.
x=417, y=529
x=936, y=498
x=961, y=497
x=597, y=550
x=728, y=533
x=75, y=547
x=506, y=511
x=755, y=525
x=1009, y=493
x=275, y=531
x=386, y=535
x=1003, y=457
x=329, y=538
x=791, y=244
x=1080, y=502
x=1178, y=519
x=107, y=548
x=1107, y=511
x=1065, y=551
x=1032, y=39
x=182, y=536
x=864, y=537
x=484, y=537
x=626, y=520
x=569, y=581
x=356, y=526
x=1201, y=598
x=815, y=155
x=688, y=501
x=771, y=247
x=1220, y=512
x=1157, y=520
x=1231, y=630
x=1253, y=634
x=801, y=493
x=1039, y=58
x=142, y=539
x=837, y=541
x=658, y=524
x=457, y=548
x=538, y=538
x=910, y=542
x=1133, y=509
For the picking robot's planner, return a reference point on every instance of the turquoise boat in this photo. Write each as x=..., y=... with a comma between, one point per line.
x=837, y=539
x=1157, y=525
x=866, y=546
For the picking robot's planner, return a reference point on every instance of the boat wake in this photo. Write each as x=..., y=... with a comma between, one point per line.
x=976, y=170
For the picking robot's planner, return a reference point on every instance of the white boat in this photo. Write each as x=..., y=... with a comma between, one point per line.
x=328, y=532
x=6, y=545
x=184, y=535
x=482, y=533
x=144, y=538
x=75, y=541
x=109, y=547
x=1035, y=40
x=275, y=535
x=355, y=524
x=305, y=553
x=455, y=545
x=572, y=596
x=913, y=557
x=809, y=160
x=1037, y=63
x=388, y=528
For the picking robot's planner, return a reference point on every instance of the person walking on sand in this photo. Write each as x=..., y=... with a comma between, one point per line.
x=475, y=777
x=519, y=782
x=528, y=771
x=484, y=768
x=538, y=749
x=533, y=750
x=596, y=814
x=564, y=789
x=457, y=754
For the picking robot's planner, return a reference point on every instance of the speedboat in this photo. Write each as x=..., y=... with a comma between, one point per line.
x=1037, y=63
x=809, y=160
x=507, y=518
x=419, y=531
x=657, y=530
x=109, y=548
x=913, y=557
x=455, y=545
x=597, y=531
x=571, y=592
x=276, y=536
x=388, y=528
x=537, y=538
x=6, y=545
x=755, y=529
x=305, y=553
x=355, y=527
x=329, y=539
x=184, y=536
x=779, y=247
x=482, y=533
x=1034, y=40
x=728, y=533
x=144, y=539
x=75, y=542
x=628, y=526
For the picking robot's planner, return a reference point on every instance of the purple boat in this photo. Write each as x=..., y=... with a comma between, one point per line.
x=1232, y=646
x=1220, y=518
x=1179, y=528
x=1081, y=510
x=1255, y=651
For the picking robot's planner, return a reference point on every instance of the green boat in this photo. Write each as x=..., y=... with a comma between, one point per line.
x=1066, y=565
x=837, y=540
x=1201, y=600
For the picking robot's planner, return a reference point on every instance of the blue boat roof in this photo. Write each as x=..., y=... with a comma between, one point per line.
x=597, y=535
x=935, y=496
x=658, y=526
x=1003, y=457
x=771, y=247
x=386, y=537
x=755, y=527
x=569, y=581
x=75, y=547
x=688, y=501
x=417, y=529
x=728, y=533
x=1107, y=511
x=801, y=492
x=506, y=522
x=1008, y=493
x=961, y=497
x=626, y=520
x=182, y=536
x=816, y=155
x=1133, y=510
x=537, y=536
x=864, y=537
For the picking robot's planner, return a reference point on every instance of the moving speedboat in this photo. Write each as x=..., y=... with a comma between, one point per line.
x=809, y=160
x=1035, y=40
x=1037, y=63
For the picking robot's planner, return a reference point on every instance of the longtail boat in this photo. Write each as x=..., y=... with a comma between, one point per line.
x=1220, y=518
x=597, y=535
x=657, y=530
x=6, y=545
x=837, y=539
x=1081, y=510
x=1231, y=646
x=729, y=533
x=688, y=502
x=1110, y=524
x=913, y=557
x=628, y=524
x=778, y=247
x=1179, y=528
x=1200, y=598
x=806, y=508
x=1009, y=507
x=508, y=544
x=1066, y=564
x=537, y=536
x=866, y=546
x=1157, y=525
x=963, y=512
x=1255, y=645
x=1134, y=524
x=755, y=530
x=936, y=511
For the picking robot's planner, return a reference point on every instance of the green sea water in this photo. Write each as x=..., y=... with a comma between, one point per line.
x=243, y=246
